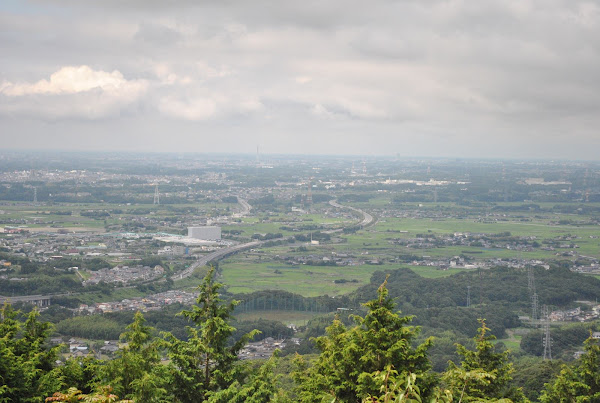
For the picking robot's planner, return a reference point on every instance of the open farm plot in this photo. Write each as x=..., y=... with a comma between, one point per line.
x=244, y=275
x=287, y=317
x=309, y=281
x=378, y=236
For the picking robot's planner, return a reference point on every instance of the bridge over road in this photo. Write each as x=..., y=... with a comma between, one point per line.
x=41, y=301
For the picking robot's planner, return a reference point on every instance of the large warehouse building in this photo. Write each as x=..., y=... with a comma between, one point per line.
x=211, y=233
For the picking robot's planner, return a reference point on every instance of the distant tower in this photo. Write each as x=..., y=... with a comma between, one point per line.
x=533, y=293
x=435, y=196
x=353, y=171
x=34, y=195
x=534, y=308
x=530, y=280
x=585, y=184
x=547, y=338
x=309, y=199
x=468, y=296
x=505, y=184
x=257, y=157
x=156, y=195
x=364, y=167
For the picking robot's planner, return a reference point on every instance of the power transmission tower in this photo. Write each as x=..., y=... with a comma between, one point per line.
x=34, y=195
x=547, y=338
x=530, y=280
x=534, y=308
x=156, y=195
x=309, y=192
x=468, y=296
x=534, y=296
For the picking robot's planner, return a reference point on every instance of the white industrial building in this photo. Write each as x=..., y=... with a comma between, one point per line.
x=211, y=233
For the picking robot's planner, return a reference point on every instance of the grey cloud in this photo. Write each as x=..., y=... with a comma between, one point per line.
x=155, y=34
x=425, y=76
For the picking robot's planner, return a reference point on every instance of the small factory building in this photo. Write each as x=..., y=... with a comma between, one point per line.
x=209, y=233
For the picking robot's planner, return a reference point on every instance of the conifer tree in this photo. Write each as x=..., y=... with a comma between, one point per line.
x=25, y=358
x=351, y=361
x=484, y=374
x=136, y=373
x=206, y=363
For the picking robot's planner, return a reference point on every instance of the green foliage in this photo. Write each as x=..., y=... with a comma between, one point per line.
x=25, y=359
x=136, y=373
x=404, y=390
x=205, y=363
x=351, y=360
x=79, y=373
x=579, y=382
x=259, y=388
x=531, y=373
x=483, y=373
x=98, y=327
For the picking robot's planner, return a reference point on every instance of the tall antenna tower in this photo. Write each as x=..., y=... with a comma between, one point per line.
x=585, y=184
x=364, y=167
x=468, y=296
x=309, y=192
x=156, y=195
x=34, y=195
x=547, y=338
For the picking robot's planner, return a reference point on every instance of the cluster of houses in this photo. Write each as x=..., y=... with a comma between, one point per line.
x=149, y=303
x=263, y=348
x=491, y=241
x=575, y=315
x=125, y=274
x=80, y=348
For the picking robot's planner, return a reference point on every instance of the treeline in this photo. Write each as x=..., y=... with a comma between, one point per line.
x=557, y=287
x=109, y=326
x=286, y=301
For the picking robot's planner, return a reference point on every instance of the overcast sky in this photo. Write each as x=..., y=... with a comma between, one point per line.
x=506, y=78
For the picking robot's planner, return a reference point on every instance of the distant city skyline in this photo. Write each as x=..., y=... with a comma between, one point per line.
x=514, y=79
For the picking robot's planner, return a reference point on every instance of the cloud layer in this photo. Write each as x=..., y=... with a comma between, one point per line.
x=516, y=78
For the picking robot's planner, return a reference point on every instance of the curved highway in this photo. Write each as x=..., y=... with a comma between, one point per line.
x=367, y=218
x=246, y=207
x=213, y=256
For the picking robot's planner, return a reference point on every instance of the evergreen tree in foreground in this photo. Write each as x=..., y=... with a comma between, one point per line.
x=484, y=374
x=137, y=372
x=25, y=358
x=352, y=360
x=206, y=363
